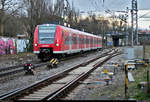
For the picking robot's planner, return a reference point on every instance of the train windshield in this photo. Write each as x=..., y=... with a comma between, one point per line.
x=47, y=34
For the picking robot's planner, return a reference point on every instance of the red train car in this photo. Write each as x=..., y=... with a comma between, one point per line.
x=54, y=40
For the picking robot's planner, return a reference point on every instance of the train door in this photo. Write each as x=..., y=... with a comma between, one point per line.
x=101, y=42
x=82, y=42
x=92, y=42
x=75, y=41
x=85, y=42
x=66, y=38
x=78, y=41
x=89, y=38
x=70, y=41
x=63, y=41
x=96, y=42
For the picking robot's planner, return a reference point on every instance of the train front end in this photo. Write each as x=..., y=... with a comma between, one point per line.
x=44, y=41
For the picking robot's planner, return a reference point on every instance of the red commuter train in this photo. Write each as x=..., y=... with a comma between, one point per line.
x=52, y=40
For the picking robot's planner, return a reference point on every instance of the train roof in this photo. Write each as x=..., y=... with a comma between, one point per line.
x=75, y=30
x=85, y=33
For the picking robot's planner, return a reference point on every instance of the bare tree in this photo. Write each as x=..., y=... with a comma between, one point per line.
x=36, y=13
x=7, y=9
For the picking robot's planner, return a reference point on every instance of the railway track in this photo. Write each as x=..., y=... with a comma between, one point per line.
x=7, y=71
x=16, y=69
x=56, y=86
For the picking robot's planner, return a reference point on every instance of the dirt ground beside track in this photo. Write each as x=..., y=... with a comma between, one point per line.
x=94, y=88
x=20, y=80
x=16, y=59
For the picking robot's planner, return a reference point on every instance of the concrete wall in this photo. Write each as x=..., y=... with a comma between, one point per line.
x=12, y=45
x=128, y=53
x=138, y=52
x=135, y=52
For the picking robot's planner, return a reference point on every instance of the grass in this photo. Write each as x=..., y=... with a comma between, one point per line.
x=142, y=96
x=133, y=90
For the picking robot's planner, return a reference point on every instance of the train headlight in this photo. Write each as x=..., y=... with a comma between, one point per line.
x=36, y=44
x=57, y=44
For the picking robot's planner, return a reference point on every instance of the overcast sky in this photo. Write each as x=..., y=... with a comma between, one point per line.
x=88, y=5
x=116, y=5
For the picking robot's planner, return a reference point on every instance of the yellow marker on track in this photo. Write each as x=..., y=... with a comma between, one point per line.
x=51, y=60
x=105, y=71
x=54, y=61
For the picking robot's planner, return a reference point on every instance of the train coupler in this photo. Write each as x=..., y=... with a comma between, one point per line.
x=53, y=63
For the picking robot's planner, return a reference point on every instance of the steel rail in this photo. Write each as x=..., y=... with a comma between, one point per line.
x=38, y=84
x=16, y=69
x=72, y=84
x=21, y=65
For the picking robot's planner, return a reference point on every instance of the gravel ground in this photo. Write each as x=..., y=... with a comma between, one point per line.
x=94, y=88
x=22, y=80
x=12, y=60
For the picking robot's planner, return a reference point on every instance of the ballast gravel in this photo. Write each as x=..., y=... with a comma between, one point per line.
x=22, y=80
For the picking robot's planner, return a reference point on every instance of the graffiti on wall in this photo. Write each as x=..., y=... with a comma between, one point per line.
x=22, y=45
x=7, y=46
x=12, y=46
